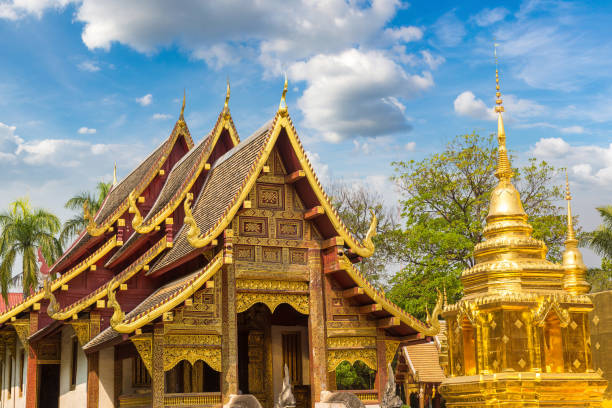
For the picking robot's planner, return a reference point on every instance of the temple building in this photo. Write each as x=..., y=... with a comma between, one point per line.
x=519, y=337
x=207, y=269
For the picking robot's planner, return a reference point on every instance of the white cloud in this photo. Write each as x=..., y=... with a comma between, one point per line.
x=487, y=16
x=9, y=142
x=590, y=163
x=89, y=66
x=432, y=61
x=321, y=169
x=449, y=29
x=86, y=131
x=572, y=129
x=410, y=146
x=161, y=116
x=356, y=93
x=405, y=33
x=16, y=9
x=145, y=100
x=466, y=104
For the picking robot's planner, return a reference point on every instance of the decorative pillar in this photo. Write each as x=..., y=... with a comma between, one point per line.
x=229, y=345
x=316, y=330
x=93, y=364
x=421, y=396
x=381, y=362
x=158, y=374
x=31, y=374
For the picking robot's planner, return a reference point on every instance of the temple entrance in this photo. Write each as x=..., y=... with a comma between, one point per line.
x=266, y=343
x=48, y=392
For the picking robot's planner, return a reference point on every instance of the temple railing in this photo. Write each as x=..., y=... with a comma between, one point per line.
x=194, y=399
x=368, y=397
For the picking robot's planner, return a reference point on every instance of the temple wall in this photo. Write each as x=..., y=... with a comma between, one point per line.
x=601, y=336
x=76, y=397
x=277, y=355
x=107, y=377
x=126, y=387
x=16, y=400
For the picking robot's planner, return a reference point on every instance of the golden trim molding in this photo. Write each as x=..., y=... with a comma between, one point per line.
x=173, y=355
x=367, y=356
x=245, y=300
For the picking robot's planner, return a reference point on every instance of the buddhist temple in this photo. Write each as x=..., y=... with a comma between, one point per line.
x=207, y=269
x=519, y=337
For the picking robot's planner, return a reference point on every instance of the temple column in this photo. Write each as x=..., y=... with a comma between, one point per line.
x=93, y=364
x=158, y=375
x=381, y=362
x=421, y=396
x=32, y=372
x=229, y=345
x=316, y=328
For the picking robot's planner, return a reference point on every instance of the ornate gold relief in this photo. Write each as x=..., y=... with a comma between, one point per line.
x=245, y=300
x=351, y=342
x=390, y=350
x=144, y=346
x=211, y=356
x=22, y=328
x=92, y=228
x=81, y=329
x=335, y=357
x=433, y=319
x=545, y=306
x=271, y=196
x=253, y=226
x=244, y=253
x=271, y=254
x=264, y=284
x=118, y=314
x=133, y=209
x=289, y=229
x=188, y=340
x=53, y=306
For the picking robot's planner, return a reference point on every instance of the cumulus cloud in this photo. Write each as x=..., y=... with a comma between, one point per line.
x=405, y=33
x=86, y=131
x=161, y=116
x=145, y=100
x=590, y=163
x=488, y=16
x=9, y=142
x=89, y=66
x=466, y=104
x=347, y=94
x=572, y=129
x=410, y=146
x=16, y=9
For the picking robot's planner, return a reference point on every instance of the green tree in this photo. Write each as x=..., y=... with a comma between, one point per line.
x=445, y=199
x=77, y=223
x=22, y=231
x=357, y=376
x=600, y=241
x=353, y=203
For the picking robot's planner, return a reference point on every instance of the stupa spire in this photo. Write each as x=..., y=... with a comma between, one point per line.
x=183, y=106
x=504, y=171
x=574, y=280
x=115, y=175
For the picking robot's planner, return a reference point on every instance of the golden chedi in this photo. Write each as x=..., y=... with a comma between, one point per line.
x=519, y=337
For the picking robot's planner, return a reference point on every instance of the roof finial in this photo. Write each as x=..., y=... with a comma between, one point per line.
x=115, y=175
x=282, y=106
x=183, y=107
x=227, y=95
x=571, y=234
x=504, y=171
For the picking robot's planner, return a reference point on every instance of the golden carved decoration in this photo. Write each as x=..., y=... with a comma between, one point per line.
x=367, y=356
x=265, y=284
x=433, y=319
x=194, y=235
x=53, y=306
x=92, y=228
x=200, y=339
x=22, y=328
x=546, y=305
x=245, y=300
x=211, y=356
x=350, y=342
x=81, y=329
x=133, y=209
x=144, y=346
x=390, y=350
x=112, y=303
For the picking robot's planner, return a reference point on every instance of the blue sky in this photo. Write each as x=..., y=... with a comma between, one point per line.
x=86, y=83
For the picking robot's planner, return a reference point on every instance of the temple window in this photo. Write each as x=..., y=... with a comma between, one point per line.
x=74, y=362
x=357, y=376
x=140, y=374
x=469, y=349
x=552, y=345
x=187, y=378
x=292, y=355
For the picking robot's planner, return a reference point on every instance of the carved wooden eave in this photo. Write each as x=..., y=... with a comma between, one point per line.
x=81, y=329
x=22, y=328
x=61, y=280
x=100, y=293
x=128, y=324
x=224, y=122
x=199, y=239
x=144, y=345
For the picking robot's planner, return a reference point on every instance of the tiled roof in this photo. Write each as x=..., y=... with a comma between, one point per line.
x=423, y=359
x=13, y=299
x=223, y=184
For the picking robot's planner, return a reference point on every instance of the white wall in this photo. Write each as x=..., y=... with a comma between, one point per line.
x=106, y=370
x=16, y=401
x=77, y=397
x=278, y=371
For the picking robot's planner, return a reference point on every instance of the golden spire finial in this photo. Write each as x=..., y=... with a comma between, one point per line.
x=571, y=234
x=115, y=175
x=183, y=106
x=227, y=95
x=504, y=171
x=282, y=106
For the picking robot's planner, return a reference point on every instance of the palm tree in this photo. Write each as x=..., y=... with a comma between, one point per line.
x=23, y=230
x=600, y=240
x=76, y=224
